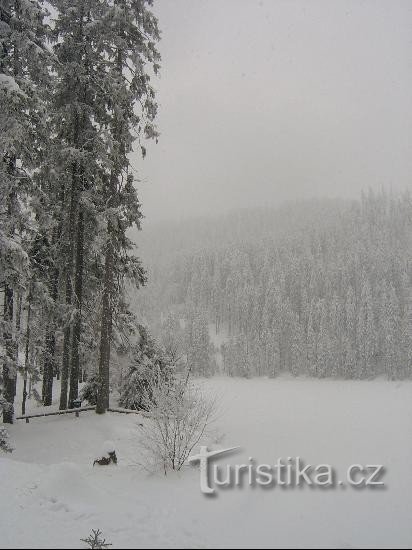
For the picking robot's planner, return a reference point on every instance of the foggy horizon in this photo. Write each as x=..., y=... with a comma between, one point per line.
x=261, y=103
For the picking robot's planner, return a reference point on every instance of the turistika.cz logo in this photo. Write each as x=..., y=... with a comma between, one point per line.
x=285, y=473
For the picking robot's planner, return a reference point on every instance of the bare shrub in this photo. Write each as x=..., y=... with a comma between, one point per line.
x=180, y=415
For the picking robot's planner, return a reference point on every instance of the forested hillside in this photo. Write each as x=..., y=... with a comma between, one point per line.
x=75, y=95
x=322, y=288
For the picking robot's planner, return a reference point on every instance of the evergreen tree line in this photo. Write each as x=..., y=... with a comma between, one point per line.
x=184, y=340
x=75, y=95
x=330, y=298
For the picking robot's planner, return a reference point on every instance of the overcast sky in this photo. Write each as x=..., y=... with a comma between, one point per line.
x=267, y=100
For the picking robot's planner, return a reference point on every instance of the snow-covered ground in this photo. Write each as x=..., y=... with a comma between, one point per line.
x=51, y=496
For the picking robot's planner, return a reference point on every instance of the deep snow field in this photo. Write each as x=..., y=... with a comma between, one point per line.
x=51, y=496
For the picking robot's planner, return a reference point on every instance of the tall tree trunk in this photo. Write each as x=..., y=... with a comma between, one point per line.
x=103, y=396
x=106, y=330
x=10, y=362
x=50, y=344
x=77, y=328
x=26, y=354
x=69, y=244
x=48, y=373
x=77, y=179
x=19, y=306
x=9, y=366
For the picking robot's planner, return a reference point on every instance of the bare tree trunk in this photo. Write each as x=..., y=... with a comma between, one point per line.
x=106, y=331
x=103, y=396
x=64, y=373
x=65, y=369
x=26, y=354
x=76, y=186
x=10, y=361
x=48, y=373
x=49, y=363
x=9, y=366
x=77, y=328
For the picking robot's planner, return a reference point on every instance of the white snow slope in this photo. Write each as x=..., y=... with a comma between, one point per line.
x=51, y=496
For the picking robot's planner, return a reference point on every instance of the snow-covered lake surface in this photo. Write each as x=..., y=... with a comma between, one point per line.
x=52, y=496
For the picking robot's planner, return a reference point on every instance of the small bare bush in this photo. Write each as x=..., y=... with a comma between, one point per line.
x=180, y=415
x=95, y=541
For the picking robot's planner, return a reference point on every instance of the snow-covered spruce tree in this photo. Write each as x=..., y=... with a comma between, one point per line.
x=149, y=368
x=366, y=332
x=392, y=350
x=44, y=295
x=130, y=34
x=72, y=101
x=172, y=340
x=125, y=329
x=24, y=75
x=90, y=390
x=103, y=102
x=311, y=343
x=197, y=343
x=50, y=315
x=80, y=112
x=41, y=305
